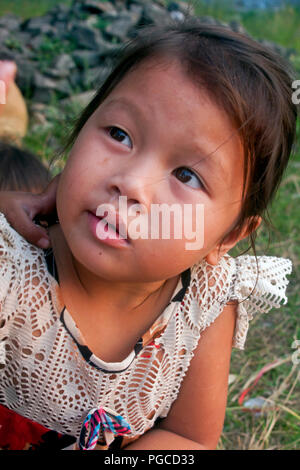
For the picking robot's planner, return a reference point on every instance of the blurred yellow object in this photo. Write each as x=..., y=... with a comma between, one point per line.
x=13, y=116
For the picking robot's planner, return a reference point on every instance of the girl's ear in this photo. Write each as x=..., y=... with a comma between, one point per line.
x=231, y=240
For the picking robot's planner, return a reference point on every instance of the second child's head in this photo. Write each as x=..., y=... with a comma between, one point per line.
x=192, y=114
x=21, y=170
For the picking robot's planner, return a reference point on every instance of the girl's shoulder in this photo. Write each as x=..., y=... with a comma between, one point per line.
x=10, y=250
x=17, y=255
x=255, y=284
x=13, y=247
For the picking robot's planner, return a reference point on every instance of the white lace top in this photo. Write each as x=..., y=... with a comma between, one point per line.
x=48, y=375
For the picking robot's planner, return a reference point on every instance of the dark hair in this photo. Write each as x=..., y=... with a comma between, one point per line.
x=250, y=82
x=21, y=170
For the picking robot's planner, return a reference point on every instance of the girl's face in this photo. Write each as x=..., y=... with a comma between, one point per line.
x=156, y=139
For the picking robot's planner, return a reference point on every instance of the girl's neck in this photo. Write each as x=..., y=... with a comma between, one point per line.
x=125, y=299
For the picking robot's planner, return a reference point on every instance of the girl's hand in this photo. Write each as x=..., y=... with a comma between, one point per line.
x=20, y=209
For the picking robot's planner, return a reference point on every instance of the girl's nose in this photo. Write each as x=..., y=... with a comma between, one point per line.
x=133, y=191
x=138, y=186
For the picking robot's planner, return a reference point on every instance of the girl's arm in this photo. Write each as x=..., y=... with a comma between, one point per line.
x=196, y=418
x=20, y=208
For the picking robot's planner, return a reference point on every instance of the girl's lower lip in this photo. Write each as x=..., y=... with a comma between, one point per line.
x=104, y=233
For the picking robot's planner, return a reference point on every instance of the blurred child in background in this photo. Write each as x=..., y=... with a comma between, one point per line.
x=21, y=170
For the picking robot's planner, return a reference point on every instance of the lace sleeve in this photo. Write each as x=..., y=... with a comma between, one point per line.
x=258, y=291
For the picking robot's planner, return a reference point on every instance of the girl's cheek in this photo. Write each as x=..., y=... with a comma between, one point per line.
x=105, y=160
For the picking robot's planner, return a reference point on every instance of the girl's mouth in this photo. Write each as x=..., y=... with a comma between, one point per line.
x=107, y=232
x=108, y=225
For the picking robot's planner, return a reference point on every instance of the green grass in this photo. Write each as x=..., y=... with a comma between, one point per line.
x=270, y=338
x=281, y=26
x=29, y=8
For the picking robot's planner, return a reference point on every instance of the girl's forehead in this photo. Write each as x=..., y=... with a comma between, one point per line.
x=162, y=89
x=157, y=78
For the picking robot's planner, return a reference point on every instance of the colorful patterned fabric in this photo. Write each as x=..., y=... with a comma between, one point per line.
x=104, y=419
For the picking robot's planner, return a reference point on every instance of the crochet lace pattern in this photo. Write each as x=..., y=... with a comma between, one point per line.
x=43, y=374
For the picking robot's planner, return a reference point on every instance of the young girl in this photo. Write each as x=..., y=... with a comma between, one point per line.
x=126, y=342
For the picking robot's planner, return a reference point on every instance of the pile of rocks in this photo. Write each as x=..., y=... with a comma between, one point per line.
x=71, y=49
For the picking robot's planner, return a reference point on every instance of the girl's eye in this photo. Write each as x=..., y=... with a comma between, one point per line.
x=117, y=134
x=185, y=175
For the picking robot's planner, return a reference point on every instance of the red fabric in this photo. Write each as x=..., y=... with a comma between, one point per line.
x=17, y=432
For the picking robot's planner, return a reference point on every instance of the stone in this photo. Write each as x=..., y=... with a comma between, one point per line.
x=208, y=20
x=86, y=58
x=62, y=29
x=10, y=22
x=106, y=48
x=6, y=54
x=38, y=118
x=134, y=7
x=60, y=13
x=40, y=81
x=4, y=34
x=99, y=7
x=37, y=107
x=45, y=85
x=177, y=15
x=75, y=79
x=37, y=42
x=38, y=25
x=61, y=65
x=23, y=37
x=156, y=14
x=94, y=77
x=186, y=8
x=92, y=21
x=25, y=74
x=122, y=25
x=237, y=27
x=80, y=99
x=85, y=36
x=43, y=95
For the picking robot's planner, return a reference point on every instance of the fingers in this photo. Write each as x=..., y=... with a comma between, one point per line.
x=20, y=209
x=48, y=196
x=34, y=234
x=8, y=70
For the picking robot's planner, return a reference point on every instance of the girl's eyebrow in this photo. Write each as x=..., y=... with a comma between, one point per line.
x=209, y=161
x=127, y=105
